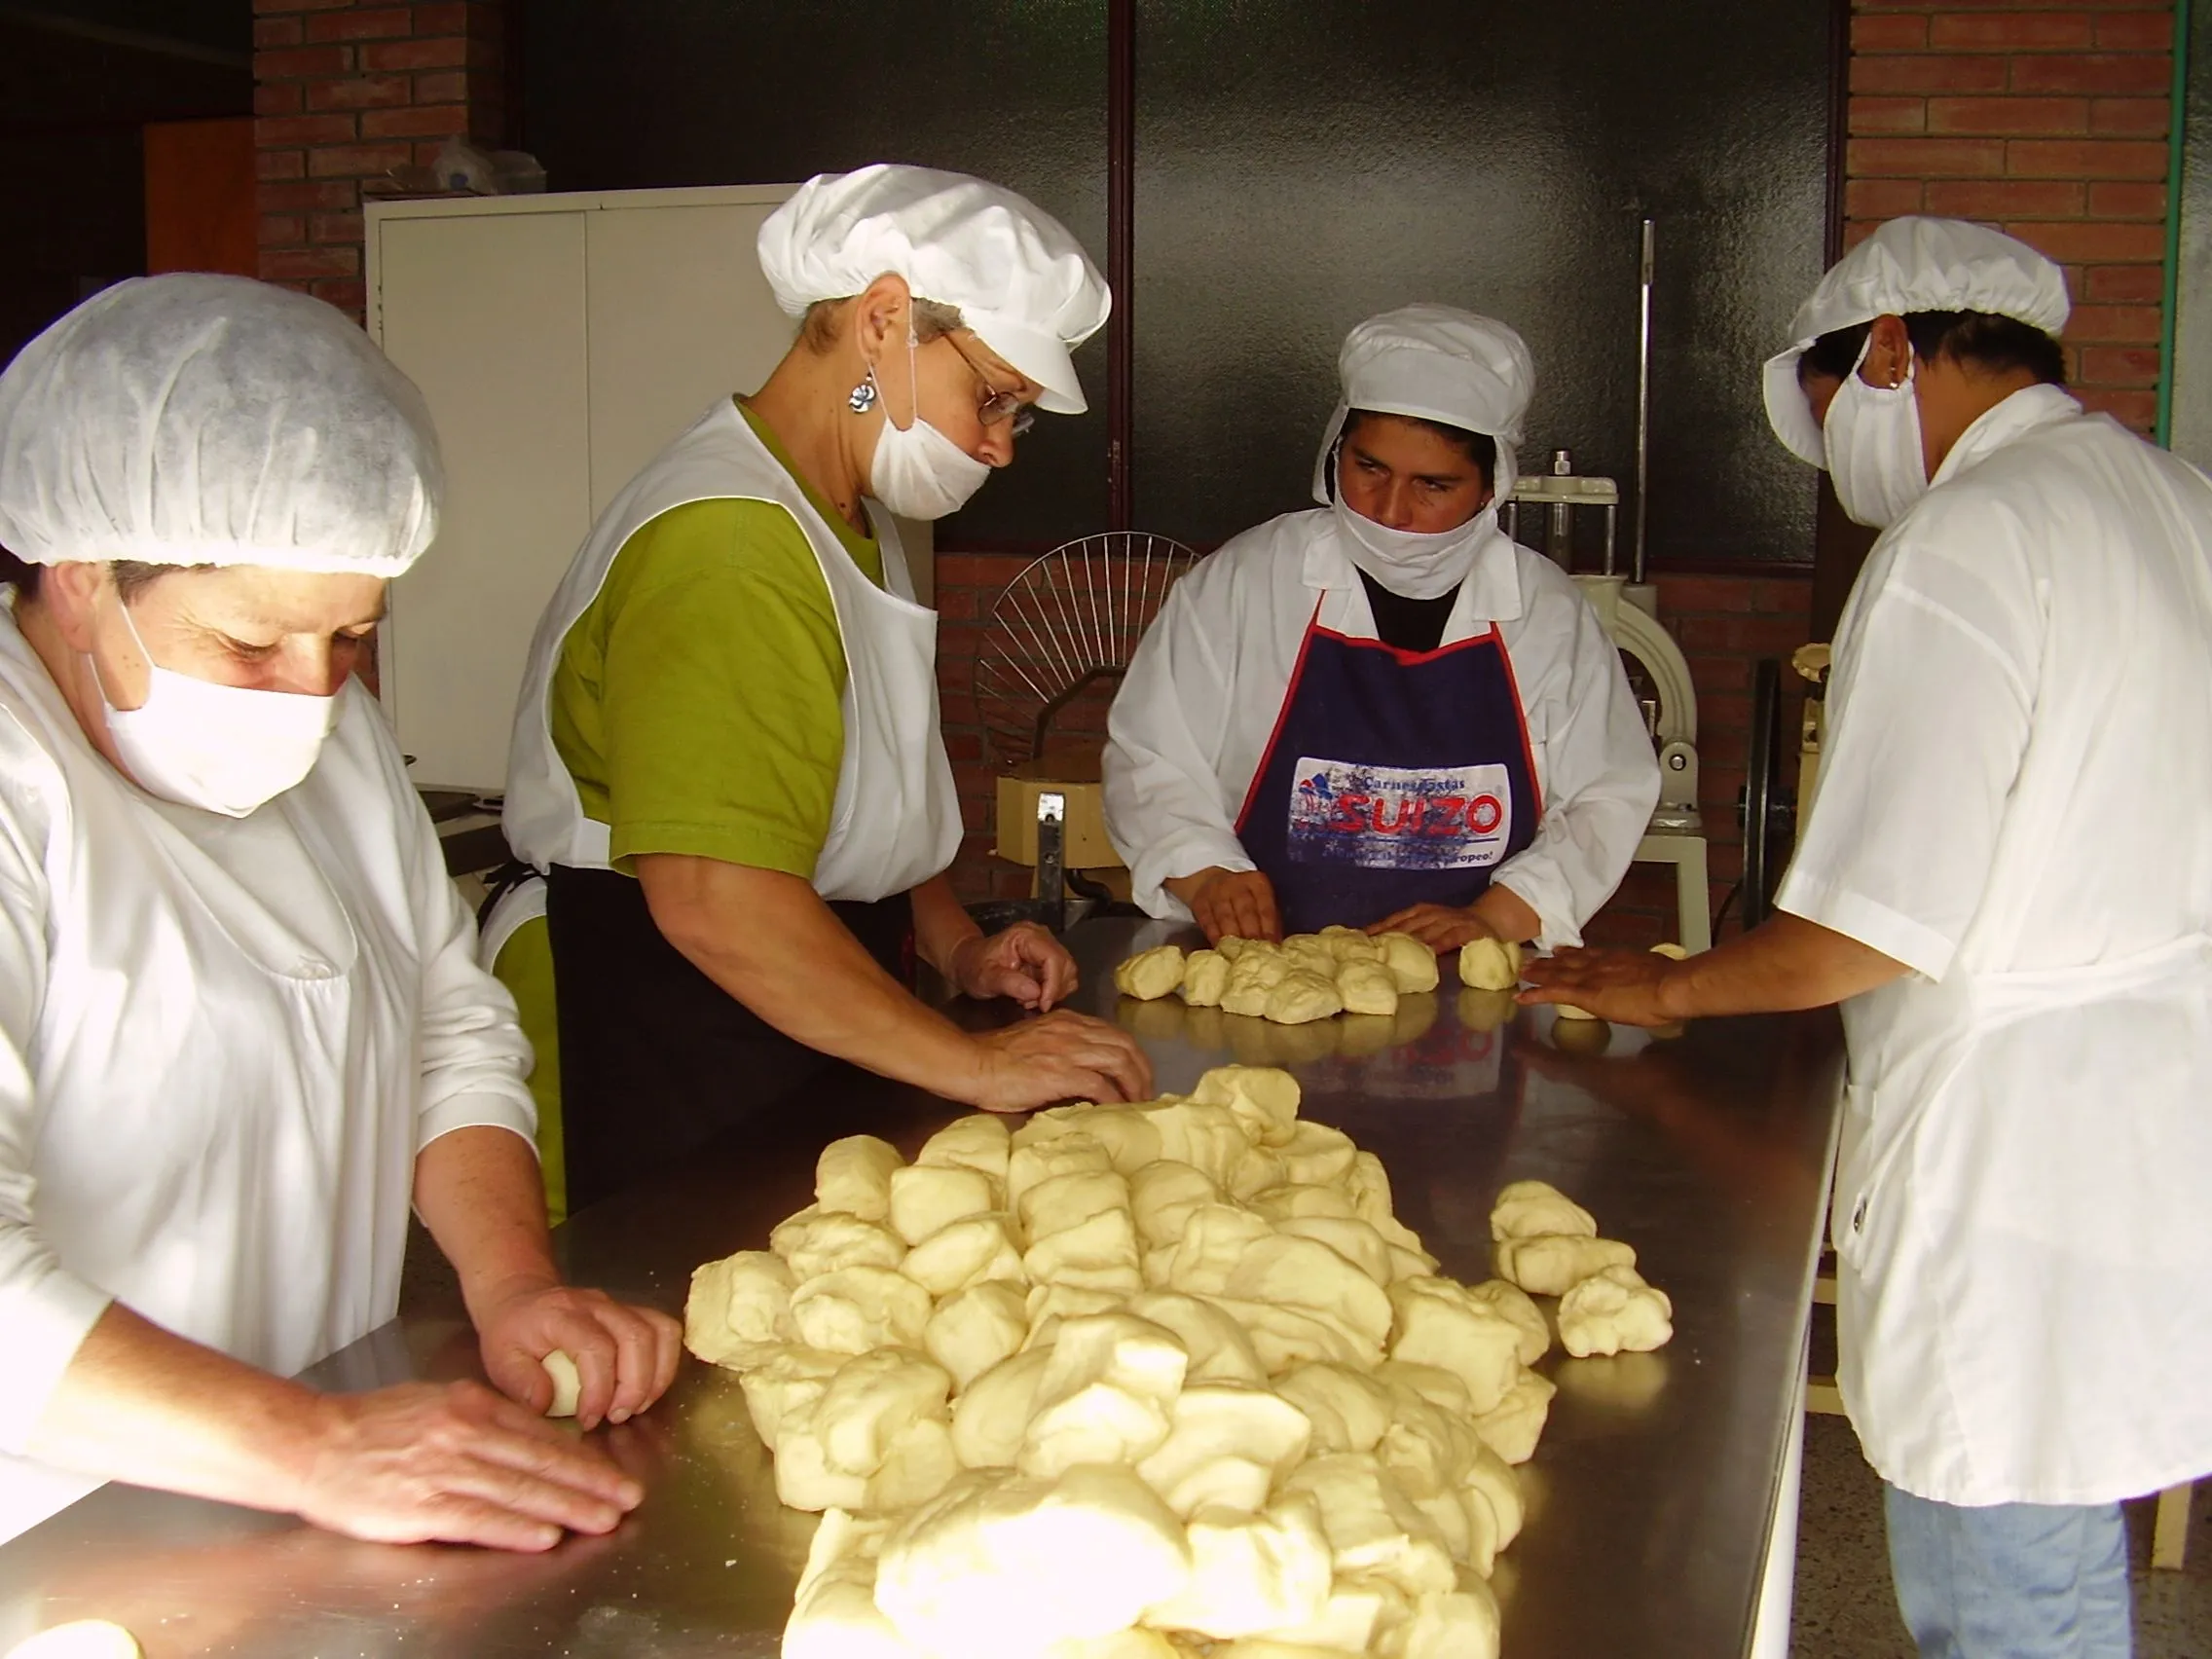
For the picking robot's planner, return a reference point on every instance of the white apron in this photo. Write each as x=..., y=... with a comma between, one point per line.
x=895, y=822
x=245, y=1030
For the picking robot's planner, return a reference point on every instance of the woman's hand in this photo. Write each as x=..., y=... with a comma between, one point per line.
x=1229, y=904
x=1628, y=987
x=625, y=1356
x=1439, y=927
x=1061, y=1056
x=452, y=1463
x=1025, y=962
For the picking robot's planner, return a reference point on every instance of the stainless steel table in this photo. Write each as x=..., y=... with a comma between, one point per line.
x=1649, y=1499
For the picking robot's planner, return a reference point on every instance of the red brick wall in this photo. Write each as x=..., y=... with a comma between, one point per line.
x=345, y=90
x=2046, y=118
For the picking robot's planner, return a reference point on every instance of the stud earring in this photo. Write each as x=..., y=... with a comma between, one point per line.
x=863, y=396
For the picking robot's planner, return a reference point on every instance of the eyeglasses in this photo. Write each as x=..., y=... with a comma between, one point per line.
x=998, y=405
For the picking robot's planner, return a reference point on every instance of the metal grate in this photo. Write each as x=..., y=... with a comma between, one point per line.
x=1068, y=621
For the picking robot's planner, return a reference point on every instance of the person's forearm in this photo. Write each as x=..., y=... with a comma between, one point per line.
x=768, y=939
x=941, y=924
x=1785, y=964
x=1507, y=914
x=481, y=1194
x=142, y=1405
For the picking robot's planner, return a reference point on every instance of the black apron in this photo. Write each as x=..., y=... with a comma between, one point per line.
x=657, y=1060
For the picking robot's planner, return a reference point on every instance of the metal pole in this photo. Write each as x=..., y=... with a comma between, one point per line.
x=1121, y=260
x=1642, y=400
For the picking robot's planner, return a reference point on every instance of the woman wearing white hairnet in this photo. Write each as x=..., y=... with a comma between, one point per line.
x=1382, y=713
x=726, y=757
x=241, y=1021
x=2007, y=881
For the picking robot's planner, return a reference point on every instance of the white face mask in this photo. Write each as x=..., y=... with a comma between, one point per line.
x=1873, y=444
x=1417, y=564
x=226, y=748
x=918, y=472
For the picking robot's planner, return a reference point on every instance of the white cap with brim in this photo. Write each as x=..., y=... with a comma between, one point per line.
x=1435, y=363
x=199, y=419
x=1912, y=264
x=1019, y=280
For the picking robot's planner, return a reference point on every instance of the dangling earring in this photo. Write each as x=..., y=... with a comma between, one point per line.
x=863, y=396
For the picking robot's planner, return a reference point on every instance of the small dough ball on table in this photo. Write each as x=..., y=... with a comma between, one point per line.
x=926, y=1198
x=1550, y=1263
x=858, y=1308
x=1303, y=997
x=1253, y=1572
x=1513, y=1429
x=999, y=1567
x=993, y=1412
x=968, y=1251
x=736, y=1304
x=80, y=1638
x=1264, y=1099
x=977, y=1328
x=1528, y=1318
x=978, y=1142
x=1489, y=965
x=854, y=1175
x=1150, y=974
x=1411, y=961
x=1438, y=1323
x=1579, y=1033
x=1529, y=1209
x=1614, y=1312
x=1367, y=987
x=1205, y=975
x=568, y=1385
x=817, y=1242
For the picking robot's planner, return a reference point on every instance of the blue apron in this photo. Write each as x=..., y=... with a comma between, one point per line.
x=1393, y=778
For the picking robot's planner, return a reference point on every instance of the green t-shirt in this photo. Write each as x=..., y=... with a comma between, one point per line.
x=697, y=701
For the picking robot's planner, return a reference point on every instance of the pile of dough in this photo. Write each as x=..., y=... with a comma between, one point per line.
x=1306, y=978
x=1133, y=1383
x=1548, y=1244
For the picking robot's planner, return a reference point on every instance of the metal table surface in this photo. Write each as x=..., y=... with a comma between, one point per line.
x=1649, y=1498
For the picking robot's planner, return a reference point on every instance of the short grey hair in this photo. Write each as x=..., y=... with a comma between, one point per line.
x=817, y=330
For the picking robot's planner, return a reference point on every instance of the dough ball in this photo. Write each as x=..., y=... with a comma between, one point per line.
x=1614, y=1312
x=1350, y=1238
x=1164, y=1194
x=1065, y=1154
x=1349, y=1410
x=979, y=1141
x=1230, y=947
x=1489, y=965
x=1529, y=1209
x=977, y=1328
x=1099, y=1253
x=1528, y=1318
x=787, y=1384
x=568, y=1385
x=1219, y=1351
x=1226, y=1447
x=1461, y=1624
x=1567, y=1011
x=1205, y=1137
x=1251, y=1574
x=993, y=1412
x=1352, y=945
x=854, y=1175
x=1373, y=1528
x=1131, y=1137
x=1264, y=1099
x=1367, y=987
x=1205, y=975
x=1317, y=1155
x=1411, y=961
x=1579, y=1033
x=1288, y=1272
x=833, y=1611
x=858, y=1308
x=1150, y=974
x=926, y=1198
x=1438, y=1323
x=817, y=1242
x=970, y=1251
x=869, y=1402
x=1302, y=997
x=1550, y=1263
x=1282, y=1204
x=80, y=1638
x=1069, y=1200
x=1514, y=1427
x=736, y=1304
x=1310, y=953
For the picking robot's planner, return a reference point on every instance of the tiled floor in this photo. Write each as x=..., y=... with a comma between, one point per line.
x=1845, y=1610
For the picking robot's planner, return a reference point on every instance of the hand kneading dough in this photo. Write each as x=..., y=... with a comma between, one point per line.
x=737, y=1303
x=999, y=1567
x=1252, y=1573
x=1513, y=1429
x=1205, y=975
x=1614, y=1312
x=1412, y=962
x=854, y=1175
x=979, y=1141
x=1526, y=1209
x=80, y=1638
x=925, y=1197
x=1303, y=997
x=1489, y=965
x=817, y=1242
x=1150, y=974
x=975, y=1329
x=1551, y=1264
x=1367, y=987
x=561, y=1367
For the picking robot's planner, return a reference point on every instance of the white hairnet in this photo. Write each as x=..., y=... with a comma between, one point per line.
x=198, y=419
x=1912, y=264
x=1435, y=363
x=1019, y=280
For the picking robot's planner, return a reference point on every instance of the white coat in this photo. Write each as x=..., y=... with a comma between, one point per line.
x=2016, y=803
x=895, y=820
x=222, y=1044
x=1191, y=722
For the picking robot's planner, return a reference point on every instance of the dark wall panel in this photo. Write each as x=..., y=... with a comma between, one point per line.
x=2190, y=431
x=635, y=94
x=1302, y=164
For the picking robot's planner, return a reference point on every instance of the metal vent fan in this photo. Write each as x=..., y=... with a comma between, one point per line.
x=1067, y=622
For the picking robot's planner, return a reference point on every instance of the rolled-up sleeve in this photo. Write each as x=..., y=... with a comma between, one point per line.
x=1929, y=708
x=46, y=1311
x=1600, y=781
x=1166, y=811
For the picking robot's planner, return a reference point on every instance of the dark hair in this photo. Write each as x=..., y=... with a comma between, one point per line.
x=132, y=578
x=1981, y=340
x=1478, y=447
